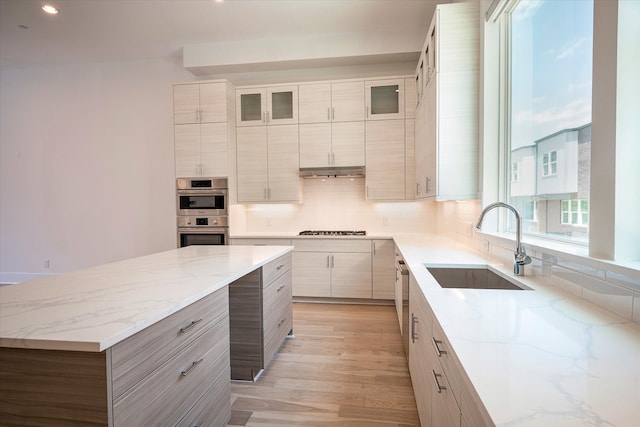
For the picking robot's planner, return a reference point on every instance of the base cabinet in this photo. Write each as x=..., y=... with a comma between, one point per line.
x=384, y=269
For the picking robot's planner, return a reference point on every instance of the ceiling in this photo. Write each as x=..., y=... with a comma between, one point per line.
x=119, y=30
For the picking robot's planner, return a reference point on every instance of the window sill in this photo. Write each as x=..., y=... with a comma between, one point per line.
x=573, y=253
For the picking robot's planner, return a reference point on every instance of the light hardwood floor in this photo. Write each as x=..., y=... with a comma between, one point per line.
x=345, y=367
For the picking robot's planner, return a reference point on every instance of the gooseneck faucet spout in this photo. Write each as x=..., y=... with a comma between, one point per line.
x=520, y=256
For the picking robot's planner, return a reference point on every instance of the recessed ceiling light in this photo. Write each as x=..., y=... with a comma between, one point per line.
x=50, y=9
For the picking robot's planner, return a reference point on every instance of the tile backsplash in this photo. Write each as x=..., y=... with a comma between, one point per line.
x=605, y=284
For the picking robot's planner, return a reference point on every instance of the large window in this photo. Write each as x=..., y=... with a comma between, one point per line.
x=549, y=77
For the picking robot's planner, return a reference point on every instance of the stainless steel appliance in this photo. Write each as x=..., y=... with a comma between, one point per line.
x=202, y=196
x=202, y=211
x=332, y=233
x=402, y=301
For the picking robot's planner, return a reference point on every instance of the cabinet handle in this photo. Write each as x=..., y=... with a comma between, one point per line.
x=427, y=185
x=191, y=368
x=414, y=320
x=332, y=261
x=280, y=288
x=328, y=261
x=439, y=352
x=435, y=378
x=333, y=113
x=279, y=267
x=281, y=323
x=328, y=113
x=190, y=325
x=417, y=188
x=374, y=247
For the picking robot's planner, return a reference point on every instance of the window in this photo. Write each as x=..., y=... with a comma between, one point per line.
x=548, y=80
x=575, y=212
x=549, y=163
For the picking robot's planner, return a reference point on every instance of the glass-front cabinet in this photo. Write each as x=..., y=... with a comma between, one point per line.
x=267, y=106
x=385, y=99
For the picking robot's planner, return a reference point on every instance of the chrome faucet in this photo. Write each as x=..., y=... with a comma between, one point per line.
x=520, y=255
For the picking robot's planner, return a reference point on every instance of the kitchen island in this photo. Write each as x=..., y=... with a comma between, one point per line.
x=140, y=341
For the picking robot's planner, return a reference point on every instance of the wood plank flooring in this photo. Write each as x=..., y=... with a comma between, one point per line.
x=345, y=367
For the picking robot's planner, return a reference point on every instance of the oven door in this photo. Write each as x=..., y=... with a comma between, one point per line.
x=199, y=202
x=202, y=236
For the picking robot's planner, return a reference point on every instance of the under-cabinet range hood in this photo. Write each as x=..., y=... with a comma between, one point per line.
x=333, y=171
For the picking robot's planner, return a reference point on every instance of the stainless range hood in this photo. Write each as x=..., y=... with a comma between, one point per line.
x=333, y=171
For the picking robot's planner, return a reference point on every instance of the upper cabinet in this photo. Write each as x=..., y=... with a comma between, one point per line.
x=276, y=105
x=200, y=103
x=384, y=99
x=204, y=128
x=446, y=119
x=332, y=102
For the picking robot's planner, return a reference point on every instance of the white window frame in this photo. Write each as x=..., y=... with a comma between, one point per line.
x=549, y=165
x=570, y=212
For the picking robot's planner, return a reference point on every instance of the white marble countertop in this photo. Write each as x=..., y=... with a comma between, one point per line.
x=536, y=358
x=95, y=308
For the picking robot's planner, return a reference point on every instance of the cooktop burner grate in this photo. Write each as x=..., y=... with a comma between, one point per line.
x=333, y=233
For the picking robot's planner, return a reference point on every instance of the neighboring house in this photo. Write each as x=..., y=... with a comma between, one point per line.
x=550, y=183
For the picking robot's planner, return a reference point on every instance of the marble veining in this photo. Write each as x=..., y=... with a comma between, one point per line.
x=95, y=308
x=541, y=357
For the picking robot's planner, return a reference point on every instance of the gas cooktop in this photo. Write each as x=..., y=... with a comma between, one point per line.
x=332, y=233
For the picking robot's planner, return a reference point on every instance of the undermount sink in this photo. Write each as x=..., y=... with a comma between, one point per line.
x=471, y=277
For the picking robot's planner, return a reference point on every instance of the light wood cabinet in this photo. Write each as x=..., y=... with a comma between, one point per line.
x=268, y=164
x=274, y=105
x=202, y=131
x=338, y=268
x=385, y=99
x=384, y=270
x=446, y=122
x=385, y=160
x=331, y=117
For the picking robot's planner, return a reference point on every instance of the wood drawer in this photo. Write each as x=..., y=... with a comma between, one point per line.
x=277, y=294
x=164, y=397
x=275, y=269
x=275, y=335
x=139, y=355
x=214, y=408
x=332, y=245
x=447, y=359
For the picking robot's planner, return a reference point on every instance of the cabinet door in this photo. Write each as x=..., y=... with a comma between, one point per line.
x=314, y=103
x=187, y=150
x=213, y=102
x=186, y=103
x=311, y=274
x=384, y=271
x=251, y=107
x=251, y=145
x=420, y=143
x=409, y=159
x=282, y=105
x=347, y=101
x=315, y=145
x=385, y=99
x=351, y=275
x=283, y=164
x=385, y=160
x=431, y=142
x=347, y=144
x=409, y=98
x=213, y=149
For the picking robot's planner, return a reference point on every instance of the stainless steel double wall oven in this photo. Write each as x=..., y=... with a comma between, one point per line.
x=202, y=211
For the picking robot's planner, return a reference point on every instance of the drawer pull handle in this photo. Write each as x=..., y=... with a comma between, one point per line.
x=190, y=325
x=191, y=368
x=414, y=320
x=438, y=386
x=280, y=288
x=439, y=351
x=279, y=267
x=281, y=323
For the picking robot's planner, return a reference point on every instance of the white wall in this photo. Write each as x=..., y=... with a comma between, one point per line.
x=87, y=167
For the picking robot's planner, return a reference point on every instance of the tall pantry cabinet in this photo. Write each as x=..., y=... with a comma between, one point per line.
x=446, y=122
x=204, y=128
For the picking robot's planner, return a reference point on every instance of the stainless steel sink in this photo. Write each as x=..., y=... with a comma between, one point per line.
x=471, y=277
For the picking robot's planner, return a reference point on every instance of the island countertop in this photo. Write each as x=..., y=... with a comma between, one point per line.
x=94, y=308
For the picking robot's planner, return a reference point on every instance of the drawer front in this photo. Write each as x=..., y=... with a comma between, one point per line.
x=275, y=269
x=139, y=355
x=247, y=241
x=332, y=245
x=276, y=334
x=164, y=397
x=277, y=294
x=446, y=357
x=214, y=408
